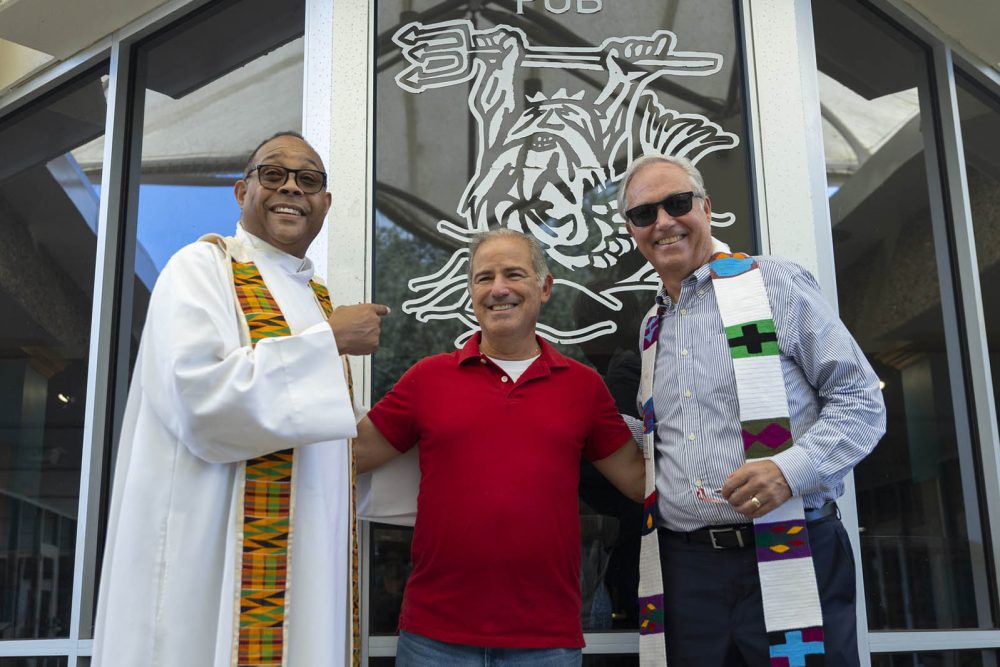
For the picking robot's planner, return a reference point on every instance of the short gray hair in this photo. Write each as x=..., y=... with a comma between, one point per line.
x=538, y=264
x=697, y=182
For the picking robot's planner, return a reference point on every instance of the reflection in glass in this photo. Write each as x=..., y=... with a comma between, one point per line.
x=921, y=544
x=209, y=89
x=531, y=128
x=211, y=94
x=390, y=566
x=48, y=244
x=980, y=121
x=936, y=659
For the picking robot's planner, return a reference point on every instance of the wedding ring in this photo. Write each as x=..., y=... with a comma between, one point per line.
x=756, y=502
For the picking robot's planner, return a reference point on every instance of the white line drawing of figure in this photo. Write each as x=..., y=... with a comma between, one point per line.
x=548, y=165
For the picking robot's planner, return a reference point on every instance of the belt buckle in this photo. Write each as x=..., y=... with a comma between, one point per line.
x=712, y=532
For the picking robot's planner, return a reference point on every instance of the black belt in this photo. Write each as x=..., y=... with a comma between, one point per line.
x=740, y=535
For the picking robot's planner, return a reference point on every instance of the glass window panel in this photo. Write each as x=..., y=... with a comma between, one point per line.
x=921, y=544
x=214, y=87
x=390, y=566
x=49, y=200
x=980, y=120
x=48, y=661
x=543, y=153
x=531, y=128
x=936, y=659
x=209, y=88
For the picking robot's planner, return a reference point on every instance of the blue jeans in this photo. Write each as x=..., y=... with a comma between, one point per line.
x=419, y=651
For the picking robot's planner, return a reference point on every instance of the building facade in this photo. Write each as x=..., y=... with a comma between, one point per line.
x=857, y=137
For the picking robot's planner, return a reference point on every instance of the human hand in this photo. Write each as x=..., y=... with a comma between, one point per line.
x=357, y=328
x=756, y=488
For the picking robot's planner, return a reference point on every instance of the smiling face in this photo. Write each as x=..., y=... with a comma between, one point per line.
x=507, y=296
x=676, y=247
x=286, y=218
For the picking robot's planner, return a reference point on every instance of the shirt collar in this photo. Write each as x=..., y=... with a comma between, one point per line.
x=300, y=268
x=547, y=354
x=698, y=281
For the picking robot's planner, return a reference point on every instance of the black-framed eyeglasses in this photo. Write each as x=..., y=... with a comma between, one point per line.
x=675, y=205
x=273, y=176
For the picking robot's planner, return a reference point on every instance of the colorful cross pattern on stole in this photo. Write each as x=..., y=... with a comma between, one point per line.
x=792, y=615
x=268, y=506
x=652, y=647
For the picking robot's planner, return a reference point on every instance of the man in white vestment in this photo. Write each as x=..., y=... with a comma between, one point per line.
x=206, y=402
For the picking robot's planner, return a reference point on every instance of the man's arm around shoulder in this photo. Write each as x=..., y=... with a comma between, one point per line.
x=371, y=448
x=626, y=470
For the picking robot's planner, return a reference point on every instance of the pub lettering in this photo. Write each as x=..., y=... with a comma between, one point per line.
x=563, y=6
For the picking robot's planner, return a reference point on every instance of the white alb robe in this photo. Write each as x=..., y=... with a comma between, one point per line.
x=202, y=401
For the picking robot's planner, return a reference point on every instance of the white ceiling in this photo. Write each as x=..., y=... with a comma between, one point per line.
x=972, y=23
x=61, y=28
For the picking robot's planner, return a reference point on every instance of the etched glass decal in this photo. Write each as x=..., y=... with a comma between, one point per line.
x=548, y=162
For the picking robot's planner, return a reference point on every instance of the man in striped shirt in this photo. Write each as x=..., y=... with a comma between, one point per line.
x=708, y=486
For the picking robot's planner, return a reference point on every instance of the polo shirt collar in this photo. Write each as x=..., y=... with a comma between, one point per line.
x=548, y=354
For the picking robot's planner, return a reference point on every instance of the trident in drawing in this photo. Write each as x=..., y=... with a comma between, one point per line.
x=443, y=54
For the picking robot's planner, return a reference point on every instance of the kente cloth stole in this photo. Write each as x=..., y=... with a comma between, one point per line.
x=792, y=614
x=268, y=504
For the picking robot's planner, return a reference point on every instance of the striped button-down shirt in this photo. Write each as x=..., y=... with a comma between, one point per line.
x=834, y=400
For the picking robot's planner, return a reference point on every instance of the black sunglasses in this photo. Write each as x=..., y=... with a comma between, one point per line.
x=675, y=205
x=273, y=176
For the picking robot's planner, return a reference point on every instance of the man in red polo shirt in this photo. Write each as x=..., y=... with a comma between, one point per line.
x=501, y=425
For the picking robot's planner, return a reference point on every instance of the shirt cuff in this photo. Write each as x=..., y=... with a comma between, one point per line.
x=637, y=429
x=360, y=412
x=798, y=469
x=321, y=328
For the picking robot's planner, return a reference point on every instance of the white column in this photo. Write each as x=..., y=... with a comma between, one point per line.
x=337, y=103
x=791, y=173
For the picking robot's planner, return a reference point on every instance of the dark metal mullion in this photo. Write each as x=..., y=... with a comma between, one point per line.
x=979, y=408
x=945, y=177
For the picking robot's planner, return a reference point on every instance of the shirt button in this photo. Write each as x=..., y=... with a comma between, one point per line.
x=482, y=361
x=504, y=378
x=684, y=352
x=687, y=393
x=697, y=483
x=684, y=311
x=691, y=437
x=701, y=292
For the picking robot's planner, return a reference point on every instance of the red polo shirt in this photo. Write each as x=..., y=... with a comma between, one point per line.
x=496, y=547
